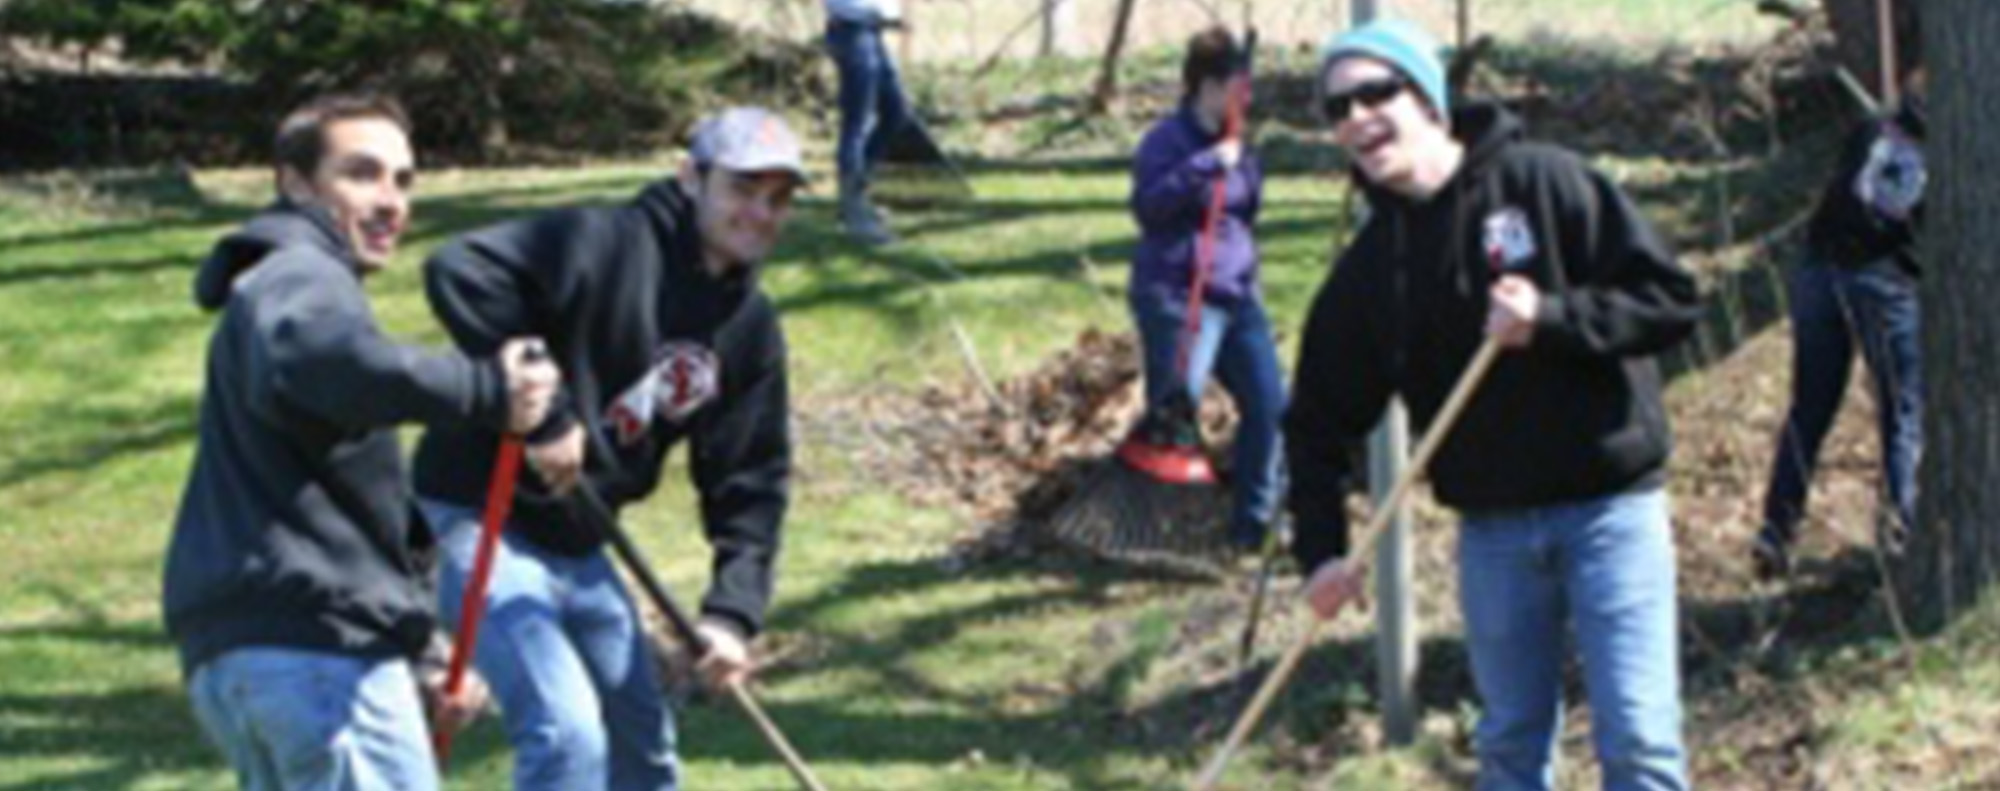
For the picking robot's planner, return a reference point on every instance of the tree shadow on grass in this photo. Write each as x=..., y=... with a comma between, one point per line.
x=1086, y=722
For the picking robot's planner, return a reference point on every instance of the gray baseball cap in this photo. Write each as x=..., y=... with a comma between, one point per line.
x=748, y=140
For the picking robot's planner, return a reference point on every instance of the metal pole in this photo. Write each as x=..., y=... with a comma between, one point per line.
x=1058, y=28
x=1396, y=617
x=1464, y=24
x=1362, y=12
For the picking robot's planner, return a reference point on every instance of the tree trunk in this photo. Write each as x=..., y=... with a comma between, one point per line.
x=1954, y=554
x=1855, y=29
x=1107, y=75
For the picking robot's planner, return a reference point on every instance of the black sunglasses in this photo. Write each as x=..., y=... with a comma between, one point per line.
x=1373, y=93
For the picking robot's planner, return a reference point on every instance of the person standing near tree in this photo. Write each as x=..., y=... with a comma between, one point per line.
x=297, y=581
x=1558, y=463
x=1857, y=287
x=872, y=105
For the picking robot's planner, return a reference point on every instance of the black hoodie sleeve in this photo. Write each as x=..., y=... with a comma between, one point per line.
x=495, y=285
x=741, y=461
x=1626, y=294
x=319, y=349
x=1341, y=386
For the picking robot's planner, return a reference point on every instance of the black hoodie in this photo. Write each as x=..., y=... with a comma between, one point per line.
x=295, y=528
x=653, y=350
x=1861, y=218
x=1577, y=414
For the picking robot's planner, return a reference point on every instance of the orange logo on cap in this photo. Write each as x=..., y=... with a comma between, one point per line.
x=770, y=133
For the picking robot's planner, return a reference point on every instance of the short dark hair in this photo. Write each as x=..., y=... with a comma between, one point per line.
x=301, y=140
x=1212, y=54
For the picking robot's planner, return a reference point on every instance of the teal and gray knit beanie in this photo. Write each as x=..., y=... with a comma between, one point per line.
x=1399, y=43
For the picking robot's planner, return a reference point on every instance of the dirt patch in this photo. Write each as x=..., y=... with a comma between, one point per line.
x=1013, y=463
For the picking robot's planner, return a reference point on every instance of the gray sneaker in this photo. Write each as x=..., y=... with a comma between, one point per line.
x=867, y=228
x=1771, y=554
x=862, y=220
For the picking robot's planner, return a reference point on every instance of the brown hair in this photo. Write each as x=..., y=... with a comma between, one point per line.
x=301, y=140
x=1212, y=54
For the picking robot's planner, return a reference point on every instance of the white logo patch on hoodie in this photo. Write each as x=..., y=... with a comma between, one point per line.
x=1509, y=242
x=684, y=378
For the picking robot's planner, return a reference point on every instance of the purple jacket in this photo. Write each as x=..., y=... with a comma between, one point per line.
x=1172, y=178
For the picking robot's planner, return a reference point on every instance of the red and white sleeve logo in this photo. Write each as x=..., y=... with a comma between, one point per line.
x=684, y=378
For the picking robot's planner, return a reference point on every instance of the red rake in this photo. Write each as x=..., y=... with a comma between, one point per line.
x=472, y=608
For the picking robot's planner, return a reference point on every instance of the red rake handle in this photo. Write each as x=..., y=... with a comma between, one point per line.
x=472, y=608
x=1204, y=254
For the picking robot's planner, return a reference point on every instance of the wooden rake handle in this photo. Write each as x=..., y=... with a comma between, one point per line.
x=794, y=762
x=600, y=515
x=1461, y=393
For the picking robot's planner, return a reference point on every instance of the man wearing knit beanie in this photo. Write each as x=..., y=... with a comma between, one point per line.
x=1400, y=44
x=1557, y=464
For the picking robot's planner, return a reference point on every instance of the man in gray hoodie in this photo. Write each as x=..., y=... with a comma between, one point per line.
x=298, y=583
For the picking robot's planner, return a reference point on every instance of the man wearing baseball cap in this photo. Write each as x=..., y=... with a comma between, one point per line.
x=653, y=312
x=1557, y=464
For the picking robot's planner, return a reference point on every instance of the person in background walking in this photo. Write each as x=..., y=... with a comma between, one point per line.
x=872, y=105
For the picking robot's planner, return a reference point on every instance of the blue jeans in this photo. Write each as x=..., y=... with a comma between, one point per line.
x=872, y=105
x=1834, y=309
x=1600, y=571
x=293, y=720
x=566, y=657
x=1235, y=343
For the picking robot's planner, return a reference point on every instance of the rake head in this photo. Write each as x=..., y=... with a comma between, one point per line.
x=1126, y=516
x=1166, y=444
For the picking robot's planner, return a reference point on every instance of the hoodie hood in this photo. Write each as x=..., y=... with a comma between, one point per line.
x=668, y=207
x=1483, y=127
x=281, y=224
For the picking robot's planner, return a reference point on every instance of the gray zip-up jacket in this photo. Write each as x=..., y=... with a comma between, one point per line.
x=295, y=529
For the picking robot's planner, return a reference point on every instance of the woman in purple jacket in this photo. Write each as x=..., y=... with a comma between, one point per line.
x=1173, y=176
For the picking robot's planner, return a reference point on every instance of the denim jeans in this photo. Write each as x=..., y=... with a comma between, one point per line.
x=1600, y=571
x=872, y=104
x=294, y=720
x=566, y=657
x=1834, y=310
x=1235, y=343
